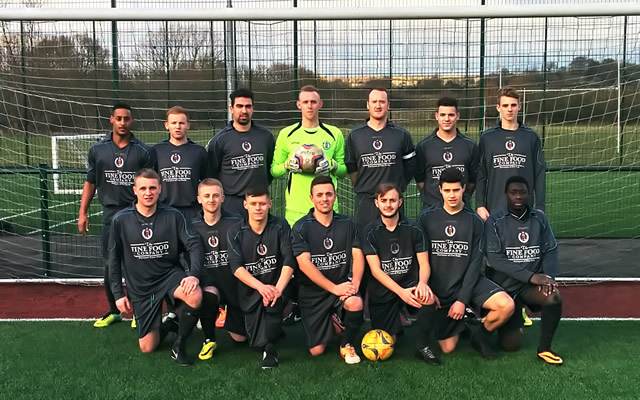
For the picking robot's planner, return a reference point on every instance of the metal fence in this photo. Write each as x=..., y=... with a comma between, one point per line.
x=579, y=77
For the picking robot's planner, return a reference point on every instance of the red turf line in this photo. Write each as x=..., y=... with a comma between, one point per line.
x=46, y=300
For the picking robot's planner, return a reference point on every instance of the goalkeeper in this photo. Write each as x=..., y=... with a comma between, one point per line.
x=308, y=131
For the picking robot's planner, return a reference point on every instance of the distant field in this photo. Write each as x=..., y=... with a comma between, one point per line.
x=564, y=145
x=580, y=204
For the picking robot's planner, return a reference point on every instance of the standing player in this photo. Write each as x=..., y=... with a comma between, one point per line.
x=181, y=163
x=219, y=286
x=506, y=150
x=327, y=248
x=308, y=131
x=523, y=257
x=240, y=155
x=523, y=157
x=396, y=253
x=145, y=241
x=377, y=151
x=445, y=147
x=454, y=236
x=112, y=163
x=260, y=257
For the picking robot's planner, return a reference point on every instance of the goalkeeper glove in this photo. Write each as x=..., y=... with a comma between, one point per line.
x=292, y=165
x=326, y=166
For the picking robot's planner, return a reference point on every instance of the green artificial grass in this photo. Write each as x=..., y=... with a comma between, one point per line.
x=73, y=360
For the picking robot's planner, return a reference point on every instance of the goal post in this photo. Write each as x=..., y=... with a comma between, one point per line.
x=70, y=151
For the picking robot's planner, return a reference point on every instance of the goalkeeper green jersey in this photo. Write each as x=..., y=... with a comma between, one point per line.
x=327, y=137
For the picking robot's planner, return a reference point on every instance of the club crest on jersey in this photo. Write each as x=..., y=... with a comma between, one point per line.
x=119, y=162
x=328, y=243
x=449, y=230
x=246, y=146
x=377, y=144
x=213, y=241
x=147, y=233
x=447, y=156
x=523, y=237
x=394, y=248
x=262, y=249
x=326, y=146
x=175, y=158
x=510, y=145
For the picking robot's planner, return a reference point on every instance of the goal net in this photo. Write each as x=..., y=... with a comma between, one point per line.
x=580, y=77
x=70, y=152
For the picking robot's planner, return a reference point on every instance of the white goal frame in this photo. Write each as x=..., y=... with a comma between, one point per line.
x=57, y=189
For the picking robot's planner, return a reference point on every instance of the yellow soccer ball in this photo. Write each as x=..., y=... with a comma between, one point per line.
x=377, y=345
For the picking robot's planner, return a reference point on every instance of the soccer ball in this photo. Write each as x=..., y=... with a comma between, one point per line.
x=377, y=345
x=308, y=156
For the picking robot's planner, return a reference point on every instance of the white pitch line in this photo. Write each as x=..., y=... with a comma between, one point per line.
x=35, y=211
x=62, y=223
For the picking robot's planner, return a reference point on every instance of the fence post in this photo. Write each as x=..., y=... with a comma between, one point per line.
x=44, y=218
x=115, y=68
x=481, y=82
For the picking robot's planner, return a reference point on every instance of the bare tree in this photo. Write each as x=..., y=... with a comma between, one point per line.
x=183, y=46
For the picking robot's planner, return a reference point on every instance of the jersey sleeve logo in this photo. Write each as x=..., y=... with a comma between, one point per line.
x=523, y=237
x=119, y=162
x=377, y=144
x=328, y=243
x=394, y=248
x=450, y=230
x=175, y=158
x=447, y=156
x=147, y=233
x=262, y=249
x=510, y=145
x=246, y=146
x=326, y=146
x=213, y=241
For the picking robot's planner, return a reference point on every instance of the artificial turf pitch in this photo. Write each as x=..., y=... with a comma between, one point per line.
x=73, y=360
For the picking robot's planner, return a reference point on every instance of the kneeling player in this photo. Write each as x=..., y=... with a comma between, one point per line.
x=454, y=240
x=396, y=254
x=219, y=286
x=523, y=258
x=145, y=242
x=260, y=257
x=327, y=248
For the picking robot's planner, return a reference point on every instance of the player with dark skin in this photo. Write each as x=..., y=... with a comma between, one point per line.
x=523, y=258
x=112, y=163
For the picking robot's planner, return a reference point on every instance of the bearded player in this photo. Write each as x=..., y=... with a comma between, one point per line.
x=395, y=248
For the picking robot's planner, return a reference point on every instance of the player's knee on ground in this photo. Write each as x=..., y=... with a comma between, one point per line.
x=353, y=303
x=317, y=350
x=449, y=345
x=510, y=340
x=237, y=338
